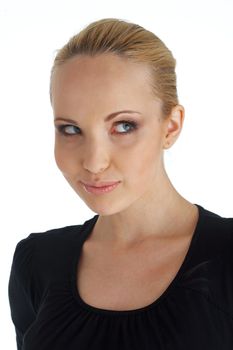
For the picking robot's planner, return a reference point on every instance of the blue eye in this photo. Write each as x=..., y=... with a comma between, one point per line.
x=64, y=129
x=133, y=126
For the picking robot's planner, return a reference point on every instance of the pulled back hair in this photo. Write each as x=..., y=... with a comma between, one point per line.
x=126, y=39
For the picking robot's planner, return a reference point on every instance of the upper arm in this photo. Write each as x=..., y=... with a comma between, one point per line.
x=19, y=287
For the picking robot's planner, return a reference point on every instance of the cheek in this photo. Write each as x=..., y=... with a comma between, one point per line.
x=58, y=159
x=63, y=157
x=149, y=148
x=144, y=161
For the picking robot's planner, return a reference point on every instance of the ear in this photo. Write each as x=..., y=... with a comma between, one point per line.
x=173, y=126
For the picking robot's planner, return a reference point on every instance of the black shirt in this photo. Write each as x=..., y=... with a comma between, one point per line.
x=194, y=312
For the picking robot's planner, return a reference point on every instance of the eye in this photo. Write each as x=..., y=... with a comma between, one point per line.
x=71, y=130
x=133, y=126
x=64, y=129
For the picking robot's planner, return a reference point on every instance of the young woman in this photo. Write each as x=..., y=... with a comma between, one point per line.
x=150, y=270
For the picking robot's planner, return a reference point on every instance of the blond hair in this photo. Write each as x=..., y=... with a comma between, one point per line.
x=130, y=40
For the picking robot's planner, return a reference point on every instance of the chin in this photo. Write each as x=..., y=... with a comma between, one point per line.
x=102, y=205
x=104, y=209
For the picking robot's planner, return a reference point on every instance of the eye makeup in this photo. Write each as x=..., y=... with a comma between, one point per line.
x=62, y=128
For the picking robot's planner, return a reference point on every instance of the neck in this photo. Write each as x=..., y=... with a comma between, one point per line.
x=159, y=213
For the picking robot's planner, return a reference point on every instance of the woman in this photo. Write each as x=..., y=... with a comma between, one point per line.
x=150, y=270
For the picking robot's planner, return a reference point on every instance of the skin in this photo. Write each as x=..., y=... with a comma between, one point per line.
x=145, y=205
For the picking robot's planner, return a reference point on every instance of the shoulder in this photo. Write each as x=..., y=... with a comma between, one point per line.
x=40, y=251
x=217, y=226
x=209, y=270
x=28, y=247
x=213, y=237
x=39, y=259
x=216, y=262
x=55, y=237
x=215, y=241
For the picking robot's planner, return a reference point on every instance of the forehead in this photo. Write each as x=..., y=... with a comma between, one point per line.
x=84, y=81
x=105, y=70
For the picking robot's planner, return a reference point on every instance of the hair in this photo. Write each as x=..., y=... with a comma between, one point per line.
x=130, y=40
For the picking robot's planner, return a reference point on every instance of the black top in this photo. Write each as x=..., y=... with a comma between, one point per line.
x=194, y=312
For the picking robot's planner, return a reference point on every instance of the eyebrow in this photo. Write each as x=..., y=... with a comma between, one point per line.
x=108, y=118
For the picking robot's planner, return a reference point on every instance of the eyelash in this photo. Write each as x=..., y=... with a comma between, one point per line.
x=134, y=125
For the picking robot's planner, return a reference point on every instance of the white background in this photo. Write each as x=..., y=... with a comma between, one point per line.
x=34, y=194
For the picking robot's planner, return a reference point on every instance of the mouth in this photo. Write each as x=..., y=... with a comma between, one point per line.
x=100, y=189
x=100, y=184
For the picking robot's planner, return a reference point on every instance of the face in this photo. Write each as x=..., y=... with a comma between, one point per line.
x=89, y=147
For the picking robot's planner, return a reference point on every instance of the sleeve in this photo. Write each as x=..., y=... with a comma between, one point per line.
x=19, y=287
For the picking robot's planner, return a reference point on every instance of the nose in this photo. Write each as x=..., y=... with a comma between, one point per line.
x=96, y=158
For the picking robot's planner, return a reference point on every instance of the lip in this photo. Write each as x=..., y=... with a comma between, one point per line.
x=102, y=189
x=100, y=184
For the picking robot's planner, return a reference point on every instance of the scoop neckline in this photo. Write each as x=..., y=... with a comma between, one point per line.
x=87, y=229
